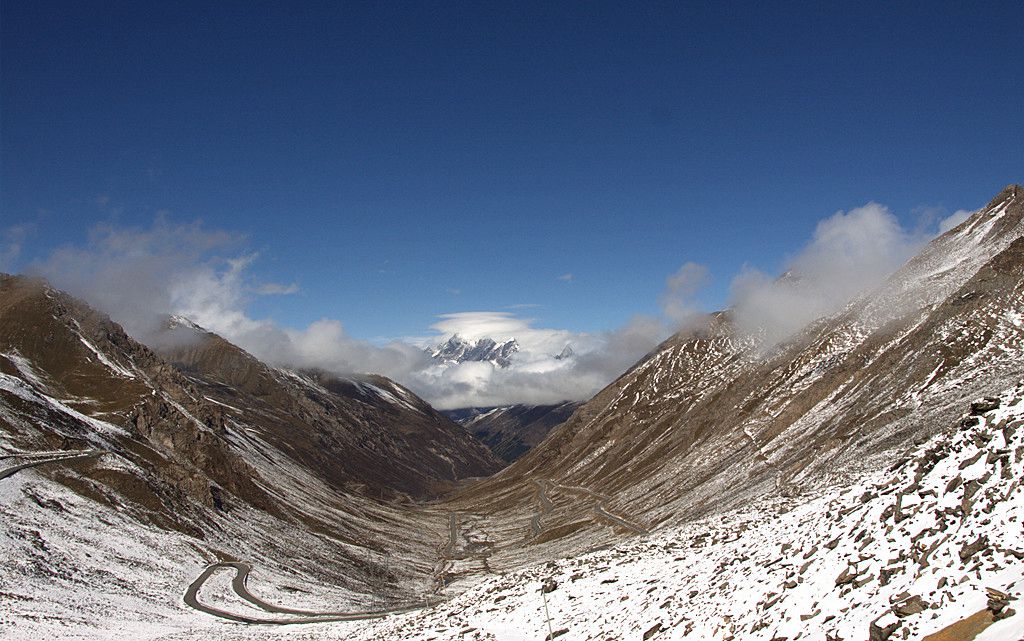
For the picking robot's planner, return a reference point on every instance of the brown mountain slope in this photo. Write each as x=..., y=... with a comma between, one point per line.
x=363, y=432
x=109, y=452
x=708, y=421
x=55, y=345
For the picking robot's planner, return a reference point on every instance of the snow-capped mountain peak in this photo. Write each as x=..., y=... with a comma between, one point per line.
x=460, y=350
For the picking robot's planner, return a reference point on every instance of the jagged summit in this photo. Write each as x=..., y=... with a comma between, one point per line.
x=175, y=321
x=460, y=350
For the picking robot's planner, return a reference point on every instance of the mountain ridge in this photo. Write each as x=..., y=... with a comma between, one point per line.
x=512, y=430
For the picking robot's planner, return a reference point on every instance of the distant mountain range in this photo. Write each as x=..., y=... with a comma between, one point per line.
x=513, y=430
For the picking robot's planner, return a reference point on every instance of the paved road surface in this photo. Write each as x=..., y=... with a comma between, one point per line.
x=545, y=506
x=601, y=508
x=14, y=469
x=238, y=584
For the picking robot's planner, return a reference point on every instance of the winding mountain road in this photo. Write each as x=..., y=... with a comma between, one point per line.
x=63, y=458
x=600, y=507
x=240, y=587
x=545, y=506
x=453, y=534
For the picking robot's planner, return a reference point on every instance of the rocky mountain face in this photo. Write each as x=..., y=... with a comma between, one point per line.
x=513, y=430
x=459, y=350
x=63, y=364
x=364, y=432
x=930, y=545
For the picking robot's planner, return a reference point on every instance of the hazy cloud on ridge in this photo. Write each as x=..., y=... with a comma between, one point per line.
x=848, y=253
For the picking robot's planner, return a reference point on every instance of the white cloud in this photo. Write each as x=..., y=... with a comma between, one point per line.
x=953, y=220
x=136, y=275
x=12, y=239
x=139, y=275
x=677, y=302
x=566, y=278
x=848, y=253
x=276, y=289
x=535, y=375
x=502, y=326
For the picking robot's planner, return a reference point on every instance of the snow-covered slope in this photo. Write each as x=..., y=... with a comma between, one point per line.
x=901, y=553
x=122, y=477
x=934, y=545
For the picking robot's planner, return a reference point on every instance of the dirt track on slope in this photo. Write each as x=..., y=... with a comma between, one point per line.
x=600, y=507
x=240, y=588
x=14, y=469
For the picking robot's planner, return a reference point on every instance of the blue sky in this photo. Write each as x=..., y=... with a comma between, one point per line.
x=398, y=161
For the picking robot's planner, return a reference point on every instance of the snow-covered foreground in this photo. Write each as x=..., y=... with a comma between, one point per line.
x=908, y=552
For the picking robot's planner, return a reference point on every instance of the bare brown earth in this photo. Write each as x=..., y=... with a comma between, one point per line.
x=361, y=433
x=963, y=630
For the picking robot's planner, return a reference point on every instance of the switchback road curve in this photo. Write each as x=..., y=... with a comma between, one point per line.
x=238, y=584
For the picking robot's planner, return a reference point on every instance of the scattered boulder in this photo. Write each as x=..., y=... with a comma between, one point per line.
x=910, y=606
x=846, y=576
x=651, y=631
x=968, y=550
x=883, y=627
x=997, y=602
x=986, y=404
